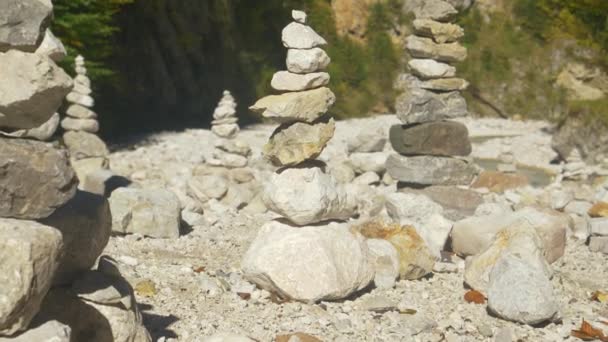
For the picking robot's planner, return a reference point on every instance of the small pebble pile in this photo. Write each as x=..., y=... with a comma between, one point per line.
x=229, y=152
x=51, y=234
x=431, y=149
x=80, y=117
x=224, y=122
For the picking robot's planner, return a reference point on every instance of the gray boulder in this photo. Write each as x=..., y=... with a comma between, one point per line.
x=23, y=23
x=32, y=89
x=150, y=212
x=442, y=138
x=84, y=145
x=85, y=224
x=29, y=255
x=37, y=179
x=429, y=170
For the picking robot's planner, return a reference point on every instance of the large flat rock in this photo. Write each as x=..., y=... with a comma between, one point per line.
x=430, y=170
x=304, y=106
x=442, y=138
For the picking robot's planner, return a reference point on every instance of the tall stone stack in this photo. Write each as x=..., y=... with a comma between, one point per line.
x=228, y=152
x=50, y=234
x=225, y=122
x=88, y=152
x=289, y=255
x=431, y=148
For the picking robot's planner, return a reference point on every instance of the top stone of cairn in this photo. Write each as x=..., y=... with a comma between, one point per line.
x=299, y=36
x=299, y=16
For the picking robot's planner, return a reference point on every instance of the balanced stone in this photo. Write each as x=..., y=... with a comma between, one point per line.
x=287, y=81
x=309, y=263
x=305, y=61
x=298, y=142
x=440, y=138
x=433, y=9
x=299, y=16
x=29, y=255
x=367, y=141
x=420, y=105
x=36, y=179
x=29, y=97
x=300, y=36
x=80, y=112
x=225, y=130
x=86, y=125
x=81, y=89
x=440, y=32
x=445, y=84
x=430, y=170
x=43, y=133
x=23, y=23
x=50, y=331
x=224, y=121
x=234, y=146
x=85, y=224
x=420, y=47
x=52, y=47
x=81, y=99
x=82, y=80
x=84, y=145
x=304, y=106
x=308, y=195
x=428, y=68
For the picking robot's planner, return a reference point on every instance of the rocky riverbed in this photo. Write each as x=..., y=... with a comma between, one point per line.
x=193, y=286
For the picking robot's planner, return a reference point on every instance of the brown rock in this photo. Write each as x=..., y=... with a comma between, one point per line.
x=442, y=138
x=599, y=209
x=499, y=182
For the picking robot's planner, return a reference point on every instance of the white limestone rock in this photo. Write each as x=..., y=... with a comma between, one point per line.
x=51, y=331
x=366, y=162
x=287, y=81
x=86, y=125
x=300, y=36
x=385, y=259
x=304, y=106
x=205, y=187
x=80, y=99
x=520, y=292
x=29, y=255
x=519, y=239
x=367, y=141
x=149, y=212
x=428, y=68
x=80, y=112
x=299, y=16
x=225, y=131
x=310, y=263
x=43, y=132
x=307, y=195
x=227, y=337
x=306, y=61
x=52, y=47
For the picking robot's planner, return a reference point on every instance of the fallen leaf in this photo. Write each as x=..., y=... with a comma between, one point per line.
x=301, y=336
x=588, y=333
x=146, y=288
x=476, y=297
x=244, y=295
x=199, y=269
x=600, y=296
x=408, y=312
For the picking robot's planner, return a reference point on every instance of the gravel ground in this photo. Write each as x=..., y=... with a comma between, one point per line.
x=197, y=279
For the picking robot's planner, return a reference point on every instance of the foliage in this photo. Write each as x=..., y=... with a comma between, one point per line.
x=86, y=27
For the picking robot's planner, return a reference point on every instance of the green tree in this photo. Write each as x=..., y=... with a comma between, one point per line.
x=86, y=27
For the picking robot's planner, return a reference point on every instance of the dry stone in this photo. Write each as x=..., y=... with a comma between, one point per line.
x=368, y=162
x=85, y=224
x=43, y=132
x=84, y=145
x=442, y=138
x=149, y=212
x=28, y=98
x=306, y=61
x=428, y=68
x=298, y=142
x=300, y=36
x=419, y=105
x=287, y=81
x=431, y=9
x=307, y=195
x=85, y=125
x=23, y=24
x=310, y=263
x=430, y=170
x=445, y=84
x=52, y=47
x=37, y=179
x=80, y=112
x=420, y=47
x=51, y=331
x=440, y=32
x=367, y=141
x=29, y=255
x=80, y=99
x=305, y=106
x=385, y=258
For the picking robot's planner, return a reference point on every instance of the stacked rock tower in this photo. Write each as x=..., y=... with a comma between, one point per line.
x=51, y=235
x=80, y=117
x=431, y=149
x=308, y=201
x=225, y=122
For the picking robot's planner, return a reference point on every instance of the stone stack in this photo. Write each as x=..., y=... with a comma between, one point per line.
x=430, y=147
x=302, y=255
x=50, y=234
x=224, y=122
x=88, y=152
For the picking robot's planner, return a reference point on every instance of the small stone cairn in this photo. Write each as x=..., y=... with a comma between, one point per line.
x=302, y=255
x=51, y=235
x=430, y=147
x=88, y=152
x=229, y=152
